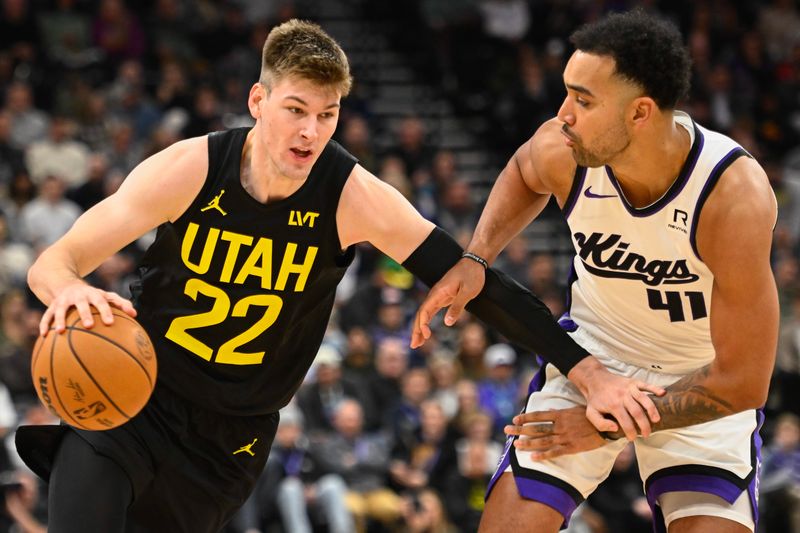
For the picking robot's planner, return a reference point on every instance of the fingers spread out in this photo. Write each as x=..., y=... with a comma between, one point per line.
x=84, y=301
x=44, y=323
x=121, y=303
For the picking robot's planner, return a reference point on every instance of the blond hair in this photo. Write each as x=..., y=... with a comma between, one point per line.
x=302, y=49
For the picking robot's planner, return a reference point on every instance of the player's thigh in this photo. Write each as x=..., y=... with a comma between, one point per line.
x=87, y=491
x=695, y=512
x=704, y=470
x=702, y=524
x=506, y=510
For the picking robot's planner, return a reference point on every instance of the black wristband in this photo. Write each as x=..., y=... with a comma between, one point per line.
x=503, y=303
x=478, y=259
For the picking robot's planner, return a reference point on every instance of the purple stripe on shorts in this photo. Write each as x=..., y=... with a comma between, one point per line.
x=501, y=466
x=536, y=385
x=566, y=323
x=537, y=382
x=547, y=494
x=723, y=488
x=752, y=488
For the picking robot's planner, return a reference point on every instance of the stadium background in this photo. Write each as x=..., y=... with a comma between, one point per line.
x=444, y=91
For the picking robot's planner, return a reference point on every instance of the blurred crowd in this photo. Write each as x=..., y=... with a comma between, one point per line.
x=379, y=437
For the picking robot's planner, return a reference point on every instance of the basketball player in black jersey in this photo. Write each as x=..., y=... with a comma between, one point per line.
x=255, y=229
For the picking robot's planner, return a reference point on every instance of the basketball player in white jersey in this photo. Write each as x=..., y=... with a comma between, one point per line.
x=671, y=284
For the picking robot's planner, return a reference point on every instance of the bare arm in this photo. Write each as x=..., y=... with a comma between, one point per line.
x=540, y=167
x=375, y=212
x=734, y=239
x=156, y=191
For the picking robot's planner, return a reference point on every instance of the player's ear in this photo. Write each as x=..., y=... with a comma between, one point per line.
x=258, y=93
x=642, y=109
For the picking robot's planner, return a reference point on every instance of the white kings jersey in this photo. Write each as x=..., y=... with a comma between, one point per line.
x=638, y=285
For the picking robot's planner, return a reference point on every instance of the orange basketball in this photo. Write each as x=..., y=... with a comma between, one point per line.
x=96, y=378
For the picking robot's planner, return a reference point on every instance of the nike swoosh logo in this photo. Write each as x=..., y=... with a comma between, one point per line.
x=589, y=194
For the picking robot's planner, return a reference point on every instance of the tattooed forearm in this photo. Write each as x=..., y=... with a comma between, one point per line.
x=687, y=402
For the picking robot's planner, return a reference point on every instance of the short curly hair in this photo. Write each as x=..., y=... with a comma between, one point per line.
x=648, y=51
x=303, y=49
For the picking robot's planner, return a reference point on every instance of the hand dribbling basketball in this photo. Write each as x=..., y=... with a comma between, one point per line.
x=94, y=371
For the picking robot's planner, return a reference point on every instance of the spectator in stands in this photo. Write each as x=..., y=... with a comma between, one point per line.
x=403, y=418
x=295, y=486
x=58, y=154
x=477, y=457
x=422, y=459
x=786, y=380
x=92, y=190
x=16, y=345
x=780, y=477
x=498, y=391
x=424, y=513
x=28, y=124
x=21, y=191
x=445, y=373
x=515, y=259
x=47, y=217
x=472, y=343
x=467, y=393
x=457, y=213
x=11, y=158
x=357, y=139
x=362, y=459
x=117, y=33
x=319, y=400
x=412, y=145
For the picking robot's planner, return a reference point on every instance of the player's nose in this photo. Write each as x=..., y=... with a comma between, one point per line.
x=309, y=130
x=565, y=113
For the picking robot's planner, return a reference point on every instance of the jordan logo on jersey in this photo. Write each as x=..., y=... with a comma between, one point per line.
x=214, y=203
x=247, y=448
x=609, y=257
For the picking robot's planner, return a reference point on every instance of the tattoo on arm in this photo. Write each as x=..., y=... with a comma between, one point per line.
x=688, y=402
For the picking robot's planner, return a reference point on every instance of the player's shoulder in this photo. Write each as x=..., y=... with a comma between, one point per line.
x=547, y=158
x=741, y=196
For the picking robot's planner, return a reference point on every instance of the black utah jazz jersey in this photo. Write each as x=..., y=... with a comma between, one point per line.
x=237, y=294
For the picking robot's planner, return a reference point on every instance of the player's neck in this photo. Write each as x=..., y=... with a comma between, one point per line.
x=652, y=163
x=259, y=176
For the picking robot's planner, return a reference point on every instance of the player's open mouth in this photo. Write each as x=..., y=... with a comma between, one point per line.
x=301, y=154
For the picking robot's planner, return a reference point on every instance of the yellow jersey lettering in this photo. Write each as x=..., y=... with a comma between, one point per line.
x=227, y=353
x=298, y=218
x=236, y=240
x=289, y=267
x=258, y=263
x=216, y=315
x=208, y=248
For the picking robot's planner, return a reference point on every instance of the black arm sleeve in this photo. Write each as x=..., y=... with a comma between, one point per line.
x=503, y=303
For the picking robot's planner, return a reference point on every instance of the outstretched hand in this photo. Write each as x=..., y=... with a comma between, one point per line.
x=460, y=285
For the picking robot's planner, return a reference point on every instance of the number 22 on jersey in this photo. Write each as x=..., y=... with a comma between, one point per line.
x=221, y=309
